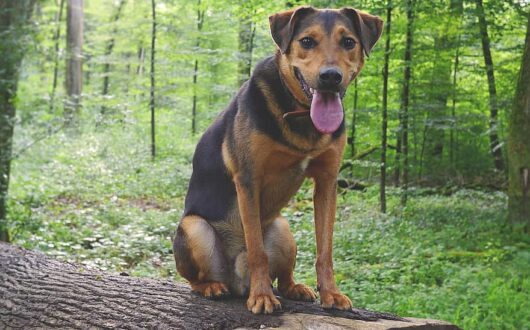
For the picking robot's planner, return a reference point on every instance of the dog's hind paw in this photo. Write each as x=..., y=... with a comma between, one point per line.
x=299, y=292
x=210, y=289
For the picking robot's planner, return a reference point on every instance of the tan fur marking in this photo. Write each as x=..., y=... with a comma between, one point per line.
x=324, y=171
x=201, y=242
x=227, y=159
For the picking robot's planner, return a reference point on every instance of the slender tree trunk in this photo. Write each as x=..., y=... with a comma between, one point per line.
x=436, y=114
x=194, y=104
x=200, y=18
x=405, y=97
x=141, y=59
x=246, y=41
x=56, y=39
x=453, y=107
x=74, y=62
x=14, y=15
x=495, y=144
x=385, y=109
x=422, y=150
x=397, y=161
x=108, y=52
x=519, y=146
x=152, y=92
x=441, y=90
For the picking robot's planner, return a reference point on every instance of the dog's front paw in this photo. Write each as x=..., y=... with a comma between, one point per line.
x=330, y=299
x=299, y=292
x=265, y=303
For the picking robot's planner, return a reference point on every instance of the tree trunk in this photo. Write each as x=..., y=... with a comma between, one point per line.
x=39, y=292
x=14, y=16
x=382, y=195
x=200, y=18
x=152, y=92
x=519, y=146
x=246, y=45
x=74, y=62
x=495, y=144
x=56, y=39
x=422, y=151
x=141, y=60
x=108, y=52
x=453, y=108
x=397, y=160
x=194, y=103
x=405, y=96
x=441, y=90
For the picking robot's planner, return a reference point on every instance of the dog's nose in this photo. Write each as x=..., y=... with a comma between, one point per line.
x=330, y=77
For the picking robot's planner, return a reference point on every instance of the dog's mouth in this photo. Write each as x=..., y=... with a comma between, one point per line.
x=309, y=91
x=326, y=106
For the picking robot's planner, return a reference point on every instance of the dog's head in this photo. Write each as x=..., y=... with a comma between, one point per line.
x=321, y=51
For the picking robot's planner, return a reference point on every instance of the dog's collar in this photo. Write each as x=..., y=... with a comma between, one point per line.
x=294, y=113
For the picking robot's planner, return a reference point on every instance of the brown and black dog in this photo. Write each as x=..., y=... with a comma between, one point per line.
x=285, y=124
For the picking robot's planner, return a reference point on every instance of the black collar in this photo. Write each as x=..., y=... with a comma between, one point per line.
x=294, y=113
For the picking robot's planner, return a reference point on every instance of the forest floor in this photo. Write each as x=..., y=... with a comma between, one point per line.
x=101, y=201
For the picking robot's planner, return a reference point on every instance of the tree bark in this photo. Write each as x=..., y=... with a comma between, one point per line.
x=74, y=62
x=14, y=15
x=152, y=91
x=382, y=195
x=39, y=292
x=246, y=45
x=519, y=146
x=404, y=111
x=495, y=144
x=108, y=52
x=56, y=39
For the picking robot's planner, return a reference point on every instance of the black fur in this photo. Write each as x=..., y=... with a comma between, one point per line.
x=211, y=191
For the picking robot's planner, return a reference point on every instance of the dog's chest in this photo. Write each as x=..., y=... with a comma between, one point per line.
x=280, y=184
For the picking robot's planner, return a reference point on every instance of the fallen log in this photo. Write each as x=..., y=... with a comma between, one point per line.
x=37, y=291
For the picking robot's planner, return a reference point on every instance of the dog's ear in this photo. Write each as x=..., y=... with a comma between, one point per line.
x=282, y=26
x=368, y=27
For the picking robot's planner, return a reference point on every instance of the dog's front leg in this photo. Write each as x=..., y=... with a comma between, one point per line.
x=324, y=172
x=261, y=297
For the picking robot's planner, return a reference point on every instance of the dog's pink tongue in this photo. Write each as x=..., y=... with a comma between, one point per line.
x=326, y=111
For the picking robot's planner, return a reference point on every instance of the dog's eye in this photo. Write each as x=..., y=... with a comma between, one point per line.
x=348, y=43
x=308, y=43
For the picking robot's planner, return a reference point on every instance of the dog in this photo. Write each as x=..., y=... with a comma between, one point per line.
x=285, y=124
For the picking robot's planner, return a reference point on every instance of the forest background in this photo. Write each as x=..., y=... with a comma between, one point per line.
x=104, y=101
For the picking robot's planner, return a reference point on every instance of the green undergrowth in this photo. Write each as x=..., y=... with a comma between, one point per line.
x=102, y=202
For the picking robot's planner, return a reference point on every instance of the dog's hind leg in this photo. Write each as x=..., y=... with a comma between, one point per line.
x=281, y=251
x=199, y=257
